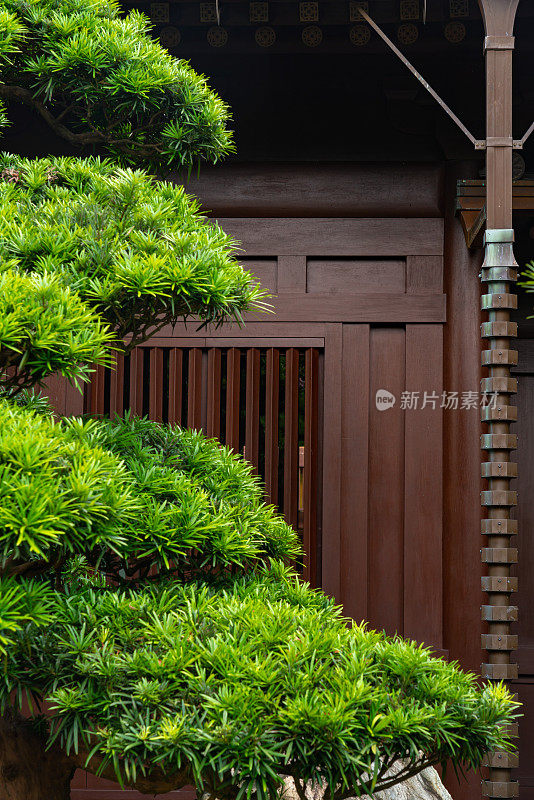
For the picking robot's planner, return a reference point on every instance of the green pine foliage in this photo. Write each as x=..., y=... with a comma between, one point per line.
x=130, y=495
x=527, y=278
x=99, y=80
x=202, y=510
x=60, y=492
x=144, y=592
x=23, y=603
x=135, y=250
x=144, y=597
x=44, y=328
x=230, y=687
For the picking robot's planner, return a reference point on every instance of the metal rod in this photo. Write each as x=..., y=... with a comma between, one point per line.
x=527, y=134
x=420, y=78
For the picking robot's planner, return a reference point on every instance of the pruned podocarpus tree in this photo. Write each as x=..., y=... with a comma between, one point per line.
x=150, y=630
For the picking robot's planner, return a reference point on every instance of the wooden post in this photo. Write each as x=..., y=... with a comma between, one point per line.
x=499, y=273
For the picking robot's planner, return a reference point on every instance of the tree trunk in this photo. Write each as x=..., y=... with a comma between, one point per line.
x=27, y=770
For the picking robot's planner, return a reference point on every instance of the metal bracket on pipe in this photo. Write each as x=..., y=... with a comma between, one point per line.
x=500, y=141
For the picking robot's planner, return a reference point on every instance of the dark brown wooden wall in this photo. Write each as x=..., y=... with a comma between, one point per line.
x=399, y=535
x=371, y=292
x=525, y=514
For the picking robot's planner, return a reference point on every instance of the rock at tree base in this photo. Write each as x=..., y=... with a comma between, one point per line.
x=426, y=785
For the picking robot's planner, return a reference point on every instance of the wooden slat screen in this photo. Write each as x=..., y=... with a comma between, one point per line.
x=263, y=402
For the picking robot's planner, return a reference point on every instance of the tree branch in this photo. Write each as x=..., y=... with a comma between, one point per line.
x=23, y=95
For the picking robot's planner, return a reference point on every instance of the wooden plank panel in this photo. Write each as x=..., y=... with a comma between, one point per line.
x=155, y=402
x=79, y=780
x=423, y=589
x=461, y=468
x=424, y=275
x=331, y=542
x=375, y=307
x=265, y=270
x=356, y=276
x=525, y=516
x=322, y=236
x=272, y=395
x=97, y=391
x=175, y=386
x=386, y=481
x=291, y=440
x=116, y=388
x=194, y=389
x=525, y=348
x=213, y=426
x=233, y=378
x=252, y=408
x=136, y=381
x=74, y=400
x=354, y=468
x=291, y=274
x=525, y=773
x=65, y=398
x=311, y=424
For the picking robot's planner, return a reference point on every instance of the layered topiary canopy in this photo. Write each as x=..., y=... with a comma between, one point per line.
x=179, y=649
x=231, y=687
x=145, y=600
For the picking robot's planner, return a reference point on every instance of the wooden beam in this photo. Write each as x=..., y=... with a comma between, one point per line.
x=383, y=307
x=322, y=236
x=317, y=190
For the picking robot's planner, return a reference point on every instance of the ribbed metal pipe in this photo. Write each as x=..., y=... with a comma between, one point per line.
x=499, y=274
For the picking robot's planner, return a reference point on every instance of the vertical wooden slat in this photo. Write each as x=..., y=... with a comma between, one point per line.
x=385, y=584
x=175, y=386
x=272, y=393
x=97, y=391
x=291, y=438
x=155, y=402
x=233, y=378
x=461, y=465
x=311, y=424
x=194, y=389
x=74, y=400
x=354, y=535
x=331, y=529
x=213, y=425
x=116, y=388
x=252, y=418
x=423, y=592
x=136, y=381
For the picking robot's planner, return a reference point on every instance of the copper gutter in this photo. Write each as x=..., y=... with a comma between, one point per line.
x=499, y=273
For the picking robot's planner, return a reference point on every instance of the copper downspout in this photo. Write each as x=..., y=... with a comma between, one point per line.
x=499, y=273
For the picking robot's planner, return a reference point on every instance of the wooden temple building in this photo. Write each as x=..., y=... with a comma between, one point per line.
x=382, y=225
